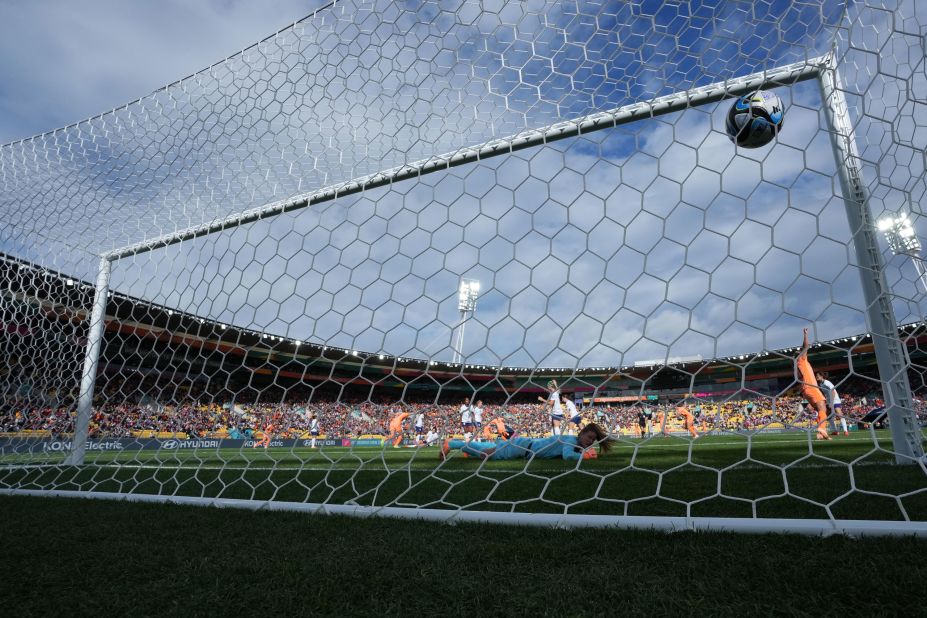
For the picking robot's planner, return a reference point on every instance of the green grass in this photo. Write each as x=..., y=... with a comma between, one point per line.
x=84, y=557
x=777, y=475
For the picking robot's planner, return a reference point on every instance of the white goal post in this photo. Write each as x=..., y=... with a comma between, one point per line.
x=906, y=436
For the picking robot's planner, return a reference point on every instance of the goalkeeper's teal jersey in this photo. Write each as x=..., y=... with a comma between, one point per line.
x=556, y=447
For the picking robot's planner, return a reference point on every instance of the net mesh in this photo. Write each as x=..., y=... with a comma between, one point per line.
x=659, y=274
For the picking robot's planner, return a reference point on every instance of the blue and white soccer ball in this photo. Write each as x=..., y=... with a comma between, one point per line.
x=755, y=119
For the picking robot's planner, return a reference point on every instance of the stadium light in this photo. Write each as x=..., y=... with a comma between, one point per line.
x=467, y=294
x=902, y=240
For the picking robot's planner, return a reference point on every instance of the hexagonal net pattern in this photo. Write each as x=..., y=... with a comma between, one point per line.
x=495, y=256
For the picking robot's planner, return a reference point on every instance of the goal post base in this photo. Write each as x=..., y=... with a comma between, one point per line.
x=853, y=528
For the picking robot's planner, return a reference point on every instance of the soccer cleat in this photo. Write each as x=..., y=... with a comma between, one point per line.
x=445, y=449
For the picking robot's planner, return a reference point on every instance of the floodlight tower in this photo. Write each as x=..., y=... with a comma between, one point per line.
x=466, y=303
x=902, y=239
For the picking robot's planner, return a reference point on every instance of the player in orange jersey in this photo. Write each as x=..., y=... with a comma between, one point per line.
x=268, y=431
x=810, y=389
x=687, y=419
x=661, y=421
x=395, y=429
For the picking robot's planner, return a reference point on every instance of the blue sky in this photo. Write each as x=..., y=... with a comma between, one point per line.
x=66, y=60
x=654, y=240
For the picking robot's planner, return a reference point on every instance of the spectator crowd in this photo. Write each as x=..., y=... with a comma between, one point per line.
x=117, y=415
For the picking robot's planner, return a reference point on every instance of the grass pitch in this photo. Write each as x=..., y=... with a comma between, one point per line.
x=771, y=475
x=93, y=558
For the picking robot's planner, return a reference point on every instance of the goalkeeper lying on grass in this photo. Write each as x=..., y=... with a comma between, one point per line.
x=570, y=448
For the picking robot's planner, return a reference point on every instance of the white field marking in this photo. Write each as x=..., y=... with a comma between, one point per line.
x=186, y=455
x=477, y=471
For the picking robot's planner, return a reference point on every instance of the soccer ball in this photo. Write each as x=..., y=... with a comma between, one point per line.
x=754, y=119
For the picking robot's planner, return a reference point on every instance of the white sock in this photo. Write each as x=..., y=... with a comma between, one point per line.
x=556, y=431
x=843, y=423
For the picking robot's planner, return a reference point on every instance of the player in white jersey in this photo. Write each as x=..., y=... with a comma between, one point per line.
x=572, y=414
x=466, y=419
x=477, y=411
x=833, y=404
x=648, y=418
x=418, y=425
x=432, y=437
x=553, y=406
x=313, y=429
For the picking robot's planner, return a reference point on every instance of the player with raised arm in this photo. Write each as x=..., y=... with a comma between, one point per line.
x=572, y=414
x=569, y=448
x=395, y=429
x=810, y=390
x=554, y=409
x=466, y=419
x=833, y=404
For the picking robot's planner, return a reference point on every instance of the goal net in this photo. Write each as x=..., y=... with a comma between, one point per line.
x=497, y=261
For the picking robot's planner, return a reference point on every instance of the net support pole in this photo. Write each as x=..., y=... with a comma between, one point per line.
x=891, y=356
x=91, y=362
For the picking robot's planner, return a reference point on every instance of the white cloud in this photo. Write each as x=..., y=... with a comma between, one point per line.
x=379, y=271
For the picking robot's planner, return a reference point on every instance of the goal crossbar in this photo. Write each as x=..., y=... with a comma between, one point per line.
x=677, y=101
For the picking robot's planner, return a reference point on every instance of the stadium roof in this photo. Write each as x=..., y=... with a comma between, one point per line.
x=70, y=298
